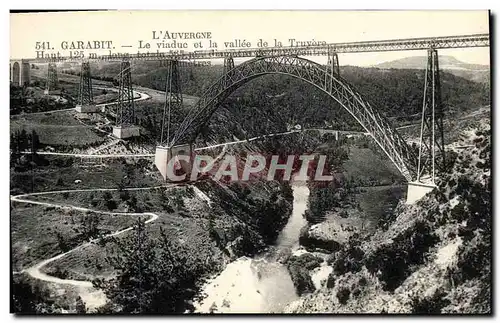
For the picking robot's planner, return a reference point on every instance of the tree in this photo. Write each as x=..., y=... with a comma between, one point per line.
x=80, y=306
x=35, y=142
x=89, y=225
x=152, y=276
x=23, y=140
x=61, y=241
x=109, y=201
x=15, y=148
x=30, y=298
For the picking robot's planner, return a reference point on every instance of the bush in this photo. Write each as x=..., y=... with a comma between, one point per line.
x=432, y=305
x=343, y=295
x=63, y=245
x=330, y=283
x=391, y=262
x=347, y=260
x=30, y=297
x=155, y=276
x=124, y=196
x=299, y=268
x=80, y=306
x=350, y=258
x=111, y=205
x=474, y=260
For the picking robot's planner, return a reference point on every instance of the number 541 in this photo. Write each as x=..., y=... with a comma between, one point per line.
x=42, y=45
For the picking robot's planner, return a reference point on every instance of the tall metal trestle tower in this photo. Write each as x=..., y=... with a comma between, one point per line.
x=85, y=95
x=52, y=81
x=431, y=157
x=125, y=112
x=173, y=99
x=332, y=68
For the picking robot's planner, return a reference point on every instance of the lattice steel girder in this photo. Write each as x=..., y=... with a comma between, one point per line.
x=85, y=95
x=52, y=80
x=384, y=135
x=227, y=71
x=173, y=98
x=422, y=43
x=126, y=111
x=431, y=156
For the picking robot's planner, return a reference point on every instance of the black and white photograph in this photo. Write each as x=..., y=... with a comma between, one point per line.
x=205, y=162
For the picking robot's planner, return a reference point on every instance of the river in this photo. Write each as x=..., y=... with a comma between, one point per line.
x=260, y=284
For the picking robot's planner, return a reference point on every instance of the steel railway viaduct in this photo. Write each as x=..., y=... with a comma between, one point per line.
x=419, y=168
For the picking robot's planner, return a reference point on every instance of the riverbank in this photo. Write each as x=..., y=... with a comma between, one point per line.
x=259, y=284
x=287, y=270
x=427, y=258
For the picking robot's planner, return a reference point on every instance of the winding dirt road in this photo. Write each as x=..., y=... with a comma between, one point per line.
x=35, y=271
x=92, y=297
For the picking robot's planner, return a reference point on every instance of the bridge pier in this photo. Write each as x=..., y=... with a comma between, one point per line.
x=126, y=131
x=417, y=190
x=88, y=108
x=163, y=155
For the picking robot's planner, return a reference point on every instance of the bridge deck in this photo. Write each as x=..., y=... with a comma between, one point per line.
x=463, y=41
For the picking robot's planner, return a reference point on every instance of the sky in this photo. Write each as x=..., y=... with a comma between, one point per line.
x=126, y=28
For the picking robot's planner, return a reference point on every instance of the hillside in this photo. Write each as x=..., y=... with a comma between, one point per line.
x=428, y=258
x=274, y=102
x=208, y=224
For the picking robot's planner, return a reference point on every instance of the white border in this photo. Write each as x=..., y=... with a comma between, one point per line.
x=188, y=4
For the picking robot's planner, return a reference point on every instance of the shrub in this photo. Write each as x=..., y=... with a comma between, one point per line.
x=349, y=259
x=432, y=305
x=391, y=262
x=343, y=295
x=63, y=245
x=330, y=282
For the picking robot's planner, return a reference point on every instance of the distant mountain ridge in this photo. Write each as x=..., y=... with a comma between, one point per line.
x=474, y=72
x=420, y=62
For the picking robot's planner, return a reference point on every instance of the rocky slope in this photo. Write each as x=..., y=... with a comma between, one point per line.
x=431, y=257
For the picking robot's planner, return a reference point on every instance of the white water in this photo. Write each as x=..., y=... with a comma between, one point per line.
x=289, y=237
x=260, y=284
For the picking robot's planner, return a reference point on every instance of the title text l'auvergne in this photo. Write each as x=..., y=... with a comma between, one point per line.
x=165, y=34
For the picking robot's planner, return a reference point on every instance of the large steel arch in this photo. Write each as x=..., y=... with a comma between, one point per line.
x=386, y=137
